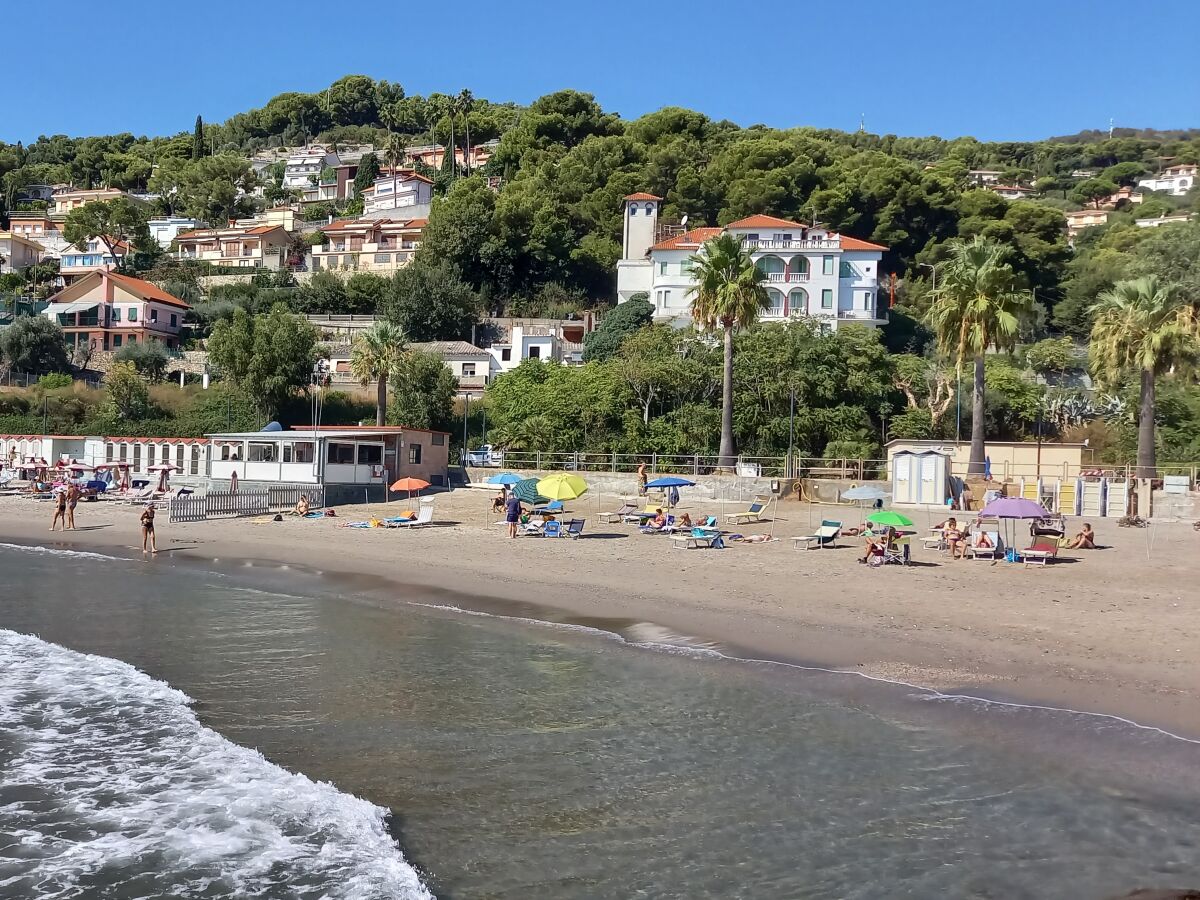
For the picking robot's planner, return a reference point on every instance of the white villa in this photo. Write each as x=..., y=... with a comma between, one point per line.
x=306, y=163
x=1176, y=180
x=401, y=189
x=811, y=271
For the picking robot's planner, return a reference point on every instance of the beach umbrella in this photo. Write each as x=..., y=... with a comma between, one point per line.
x=504, y=478
x=164, y=471
x=1010, y=508
x=670, y=481
x=890, y=517
x=410, y=485
x=866, y=492
x=562, y=486
x=526, y=490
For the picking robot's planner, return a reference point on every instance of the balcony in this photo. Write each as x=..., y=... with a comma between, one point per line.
x=861, y=315
x=787, y=277
x=811, y=244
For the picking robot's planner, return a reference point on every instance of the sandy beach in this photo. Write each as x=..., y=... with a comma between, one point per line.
x=1108, y=631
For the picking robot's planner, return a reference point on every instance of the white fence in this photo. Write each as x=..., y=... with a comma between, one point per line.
x=250, y=502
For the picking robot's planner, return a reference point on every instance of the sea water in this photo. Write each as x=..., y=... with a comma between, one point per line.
x=173, y=730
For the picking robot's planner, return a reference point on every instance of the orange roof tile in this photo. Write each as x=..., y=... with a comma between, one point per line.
x=146, y=290
x=688, y=239
x=641, y=196
x=764, y=222
x=849, y=243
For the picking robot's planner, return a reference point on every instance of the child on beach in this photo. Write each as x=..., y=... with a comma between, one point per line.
x=148, y=529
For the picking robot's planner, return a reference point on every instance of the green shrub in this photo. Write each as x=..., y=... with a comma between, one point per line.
x=55, y=380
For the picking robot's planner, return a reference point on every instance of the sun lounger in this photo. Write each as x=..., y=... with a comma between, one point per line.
x=823, y=537
x=666, y=529
x=640, y=515
x=619, y=515
x=935, y=541
x=424, y=517
x=574, y=528
x=1039, y=554
x=697, y=539
x=989, y=552
x=747, y=516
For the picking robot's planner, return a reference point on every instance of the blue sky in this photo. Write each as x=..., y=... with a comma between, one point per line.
x=1009, y=70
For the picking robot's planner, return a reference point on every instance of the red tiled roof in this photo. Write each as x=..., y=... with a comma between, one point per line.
x=764, y=222
x=263, y=229
x=688, y=239
x=146, y=290
x=642, y=196
x=849, y=243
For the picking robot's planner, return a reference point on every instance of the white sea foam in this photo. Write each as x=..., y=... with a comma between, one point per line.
x=59, y=551
x=110, y=780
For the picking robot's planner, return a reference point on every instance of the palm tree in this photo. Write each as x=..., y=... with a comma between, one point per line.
x=395, y=152
x=1143, y=326
x=374, y=356
x=977, y=306
x=728, y=293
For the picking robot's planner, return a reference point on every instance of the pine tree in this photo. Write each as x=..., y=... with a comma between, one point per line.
x=198, y=139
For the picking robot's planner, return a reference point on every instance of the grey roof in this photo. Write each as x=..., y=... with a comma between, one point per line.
x=451, y=348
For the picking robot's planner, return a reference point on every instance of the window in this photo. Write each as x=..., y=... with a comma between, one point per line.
x=798, y=265
x=776, y=308
x=260, y=451
x=866, y=300
x=666, y=298
x=438, y=440
x=798, y=302
x=383, y=257
x=633, y=209
x=153, y=315
x=847, y=270
x=133, y=314
x=117, y=340
x=468, y=370
x=826, y=299
x=827, y=265
x=194, y=468
x=506, y=354
x=340, y=454
x=535, y=352
x=116, y=314
x=370, y=454
x=414, y=454
x=150, y=451
x=124, y=450
x=299, y=452
x=137, y=457
x=174, y=320
x=662, y=268
x=108, y=453
x=179, y=457
x=649, y=209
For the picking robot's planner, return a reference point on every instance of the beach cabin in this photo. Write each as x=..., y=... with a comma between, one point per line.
x=920, y=477
x=346, y=459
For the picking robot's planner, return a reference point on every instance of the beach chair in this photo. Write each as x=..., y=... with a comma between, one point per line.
x=574, y=528
x=618, y=515
x=1039, y=554
x=935, y=541
x=666, y=529
x=823, y=537
x=977, y=552
x=640, y=515
x=552, y=529
x=424, y=517
x=749, y=515
x=896, y=550
x=699, y=538
x=141, y=496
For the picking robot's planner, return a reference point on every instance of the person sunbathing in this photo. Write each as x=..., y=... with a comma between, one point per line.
x=301, y=508
x=955, y=538
x=685, y=521
x=1084, y=540
x=875, y=543
x=659, y=520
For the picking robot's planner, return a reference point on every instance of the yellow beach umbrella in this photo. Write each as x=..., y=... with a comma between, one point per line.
x=562, y=486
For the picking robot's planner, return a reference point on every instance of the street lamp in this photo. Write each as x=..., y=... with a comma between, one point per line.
x=932, y=267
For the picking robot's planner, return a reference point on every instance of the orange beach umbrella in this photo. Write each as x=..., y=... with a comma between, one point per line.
x=409, y=485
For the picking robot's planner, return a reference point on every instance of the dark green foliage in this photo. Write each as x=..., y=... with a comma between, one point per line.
x=198, y=139
x=149, y=359
x=423, y=391
x=616, y=326
x=368, y=171
x=431, y=303
x=34, y=345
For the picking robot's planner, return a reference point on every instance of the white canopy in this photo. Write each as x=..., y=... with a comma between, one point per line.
x=59, y=309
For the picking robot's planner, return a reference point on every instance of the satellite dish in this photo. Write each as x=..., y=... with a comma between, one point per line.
x=683, y=221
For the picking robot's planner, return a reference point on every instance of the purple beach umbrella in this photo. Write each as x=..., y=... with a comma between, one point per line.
x=1014, y=508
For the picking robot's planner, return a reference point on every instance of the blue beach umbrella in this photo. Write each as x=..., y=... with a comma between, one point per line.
x=504, y=478
x=670, y=481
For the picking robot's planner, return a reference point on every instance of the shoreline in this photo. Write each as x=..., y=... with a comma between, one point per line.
x=905, y=627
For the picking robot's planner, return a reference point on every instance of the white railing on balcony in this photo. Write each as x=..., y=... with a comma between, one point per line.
x=789, y=277
x=864, y=314
x=812, y=244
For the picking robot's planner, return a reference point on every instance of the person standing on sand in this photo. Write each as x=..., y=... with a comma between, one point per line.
x=148, y=529
x=641, y=473
x=512, y=514
x=73, y=494
x=60, y=510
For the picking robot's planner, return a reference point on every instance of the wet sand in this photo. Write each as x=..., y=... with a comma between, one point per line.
x=1110, y=631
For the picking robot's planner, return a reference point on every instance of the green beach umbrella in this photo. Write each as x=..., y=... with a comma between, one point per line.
x=526, y=490
x=890, y=517
x=562, y=486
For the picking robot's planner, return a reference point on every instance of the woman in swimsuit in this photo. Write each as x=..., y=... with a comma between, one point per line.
x=60, y=510
x=73, y=494
x=148, y=529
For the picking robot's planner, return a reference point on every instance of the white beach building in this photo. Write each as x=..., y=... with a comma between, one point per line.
x=811, y=271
